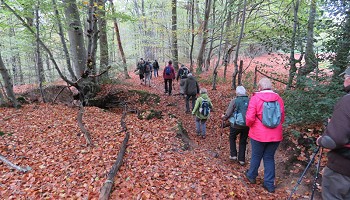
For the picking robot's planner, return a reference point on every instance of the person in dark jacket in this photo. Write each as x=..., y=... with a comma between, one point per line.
x=155, y=68
x=141, y=69
x=182, y=74
x=336, y=175
x=191, y=89
x=237, y=104
x=169, y=76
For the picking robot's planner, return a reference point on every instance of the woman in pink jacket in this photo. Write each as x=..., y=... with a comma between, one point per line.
x=264, y=140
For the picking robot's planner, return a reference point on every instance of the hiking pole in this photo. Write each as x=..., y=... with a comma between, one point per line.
x=222, y=130
x=304, y=172
x=316, y=175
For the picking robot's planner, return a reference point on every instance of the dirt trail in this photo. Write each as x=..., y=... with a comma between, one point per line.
x=285, y=180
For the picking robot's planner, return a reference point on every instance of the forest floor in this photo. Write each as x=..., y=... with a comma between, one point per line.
x=156, y=165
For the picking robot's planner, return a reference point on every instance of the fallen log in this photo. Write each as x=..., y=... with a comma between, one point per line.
x=108, y=185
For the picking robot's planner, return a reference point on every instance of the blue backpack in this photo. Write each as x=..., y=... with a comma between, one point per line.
x=271, y=115
x=241, y=104
x=205, y=108
x=167, y=70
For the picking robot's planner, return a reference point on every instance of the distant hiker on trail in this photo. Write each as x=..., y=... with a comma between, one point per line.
x=140, y=69
x=265, y=132
x=155, y=68
x=169, y=76
x=336, y=175
x=238, y=107
x=182, y=74
x=191, y=90
x=148, y=73
x=151, y=67
x=202, y=110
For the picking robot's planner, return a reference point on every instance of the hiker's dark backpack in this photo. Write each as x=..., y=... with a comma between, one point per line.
x=167, y=70
x=147, y=68
x=204, y=109
x=185, y=72
x=241, y=106
x=271, y=115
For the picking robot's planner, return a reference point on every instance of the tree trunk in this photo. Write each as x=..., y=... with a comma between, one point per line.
x=192, y=35
x=292, y=60
x=39, y=59
x=205, y=36
x=174, y=50
x=76, y=36
x=103, y=42
x=227, y=33
x=92, y=35
x=238, y=46
x=63, y=41
x=8, y=84
x=207, y=62
x=215, y=73
x=310, y=58
x=120, y=46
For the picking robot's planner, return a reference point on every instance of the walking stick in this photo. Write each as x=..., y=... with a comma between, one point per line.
x=304, y=172
x=222, y=130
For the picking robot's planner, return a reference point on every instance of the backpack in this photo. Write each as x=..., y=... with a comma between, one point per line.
x=147, y=68
x=205, y=107
x=167, y=70
x=185, y=71
x=271, y=115
x=241, y=104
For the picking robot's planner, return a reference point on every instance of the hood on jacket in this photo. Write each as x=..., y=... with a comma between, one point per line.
x=204, y=96
x=267, y=95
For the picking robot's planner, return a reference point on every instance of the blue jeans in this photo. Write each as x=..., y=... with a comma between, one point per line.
x=200, y=125
x=265, y=151
x=155, y=71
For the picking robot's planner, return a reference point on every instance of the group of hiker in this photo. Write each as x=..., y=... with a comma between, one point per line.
x=145, y=69
x=260, y=118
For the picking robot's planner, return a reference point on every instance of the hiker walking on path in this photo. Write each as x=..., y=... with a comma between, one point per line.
x=202, y=110
x=140, y=68
x=336, y=175
x=155, y=68
x=238, y=107
x=148, y=73
x=191, y=89
x=265, y=133
x=182, y=74
x=169, y=76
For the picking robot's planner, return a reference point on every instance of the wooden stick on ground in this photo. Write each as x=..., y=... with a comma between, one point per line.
x=108, y=185
x=21, y=169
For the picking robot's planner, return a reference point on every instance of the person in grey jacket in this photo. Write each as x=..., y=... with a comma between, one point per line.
x=235, y=129
x=336, y=175
x=191, y=89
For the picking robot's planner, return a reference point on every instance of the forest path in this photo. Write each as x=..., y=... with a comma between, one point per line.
x=217, y=135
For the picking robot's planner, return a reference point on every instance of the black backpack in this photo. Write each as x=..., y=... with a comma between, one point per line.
x=147, y=68
x=185, y=72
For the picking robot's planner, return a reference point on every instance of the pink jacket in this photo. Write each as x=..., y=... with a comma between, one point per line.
x=257, y=130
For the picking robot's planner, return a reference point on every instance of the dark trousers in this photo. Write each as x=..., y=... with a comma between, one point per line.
x=242, y=142
x=188, y=97
x=168, y=85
